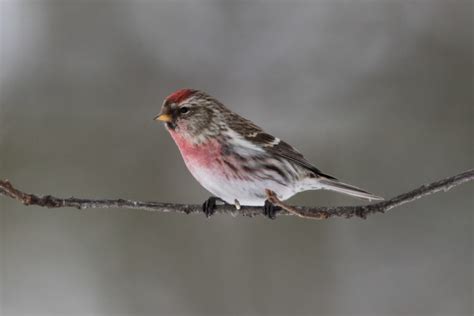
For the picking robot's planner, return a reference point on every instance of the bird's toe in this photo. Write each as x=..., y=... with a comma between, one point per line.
x=270, y=210
x=209, y=206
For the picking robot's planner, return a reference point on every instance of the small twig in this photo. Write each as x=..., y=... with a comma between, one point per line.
x=273, y=198
x=7, y=189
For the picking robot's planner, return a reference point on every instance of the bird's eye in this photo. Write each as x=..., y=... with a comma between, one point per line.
x=183, y=110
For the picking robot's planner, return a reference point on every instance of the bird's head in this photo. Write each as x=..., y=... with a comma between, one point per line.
x=192, y=114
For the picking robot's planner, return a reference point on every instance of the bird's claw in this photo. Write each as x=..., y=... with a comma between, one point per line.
x=209, y=207
x=270, y=210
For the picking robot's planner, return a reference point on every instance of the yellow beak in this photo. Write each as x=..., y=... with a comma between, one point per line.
x=163, y=118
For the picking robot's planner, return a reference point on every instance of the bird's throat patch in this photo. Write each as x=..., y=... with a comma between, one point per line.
x=171, y=125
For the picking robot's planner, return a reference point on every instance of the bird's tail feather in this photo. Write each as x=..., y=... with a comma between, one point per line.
x=335, y=185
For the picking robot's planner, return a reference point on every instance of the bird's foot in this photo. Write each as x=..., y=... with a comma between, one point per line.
x=272, y=199
x=209, y=207
x=270, y=210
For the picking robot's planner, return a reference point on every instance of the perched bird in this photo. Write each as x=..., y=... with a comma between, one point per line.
x=236, y=160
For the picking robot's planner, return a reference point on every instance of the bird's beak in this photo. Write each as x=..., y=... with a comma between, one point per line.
x=163, y=117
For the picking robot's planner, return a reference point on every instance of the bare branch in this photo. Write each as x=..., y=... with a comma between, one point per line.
x=7, y=189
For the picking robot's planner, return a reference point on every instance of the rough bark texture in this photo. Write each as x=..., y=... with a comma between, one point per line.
x=316, y=212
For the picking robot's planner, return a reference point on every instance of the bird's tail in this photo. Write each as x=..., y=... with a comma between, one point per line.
x=335, y=185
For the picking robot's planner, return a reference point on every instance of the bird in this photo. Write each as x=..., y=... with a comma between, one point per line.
x=236, y=160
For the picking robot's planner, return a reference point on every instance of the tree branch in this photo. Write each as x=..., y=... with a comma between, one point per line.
x=323, y=212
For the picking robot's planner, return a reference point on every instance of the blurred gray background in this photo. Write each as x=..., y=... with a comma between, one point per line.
x=377, y=93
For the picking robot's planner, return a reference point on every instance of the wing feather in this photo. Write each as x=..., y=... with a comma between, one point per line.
x=254, y=134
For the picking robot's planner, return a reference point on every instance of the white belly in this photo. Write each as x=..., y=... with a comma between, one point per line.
x=226, y=177
x=229, y=189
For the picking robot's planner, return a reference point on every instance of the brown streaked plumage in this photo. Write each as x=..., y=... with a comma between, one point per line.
x=235, y=159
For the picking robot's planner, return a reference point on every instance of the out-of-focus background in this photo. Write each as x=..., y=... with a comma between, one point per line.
x=377, y=93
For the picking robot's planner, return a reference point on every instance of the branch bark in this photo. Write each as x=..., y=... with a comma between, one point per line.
x=318, y=212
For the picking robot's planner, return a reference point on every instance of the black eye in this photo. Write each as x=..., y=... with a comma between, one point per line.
x=183, y=110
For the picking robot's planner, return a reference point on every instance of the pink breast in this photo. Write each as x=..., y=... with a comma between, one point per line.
x=197, y=155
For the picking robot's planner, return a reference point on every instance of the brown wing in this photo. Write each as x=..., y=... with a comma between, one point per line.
x=275, y=146
x=283, y=149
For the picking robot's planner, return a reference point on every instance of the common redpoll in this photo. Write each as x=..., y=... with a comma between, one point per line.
x=236, y=160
